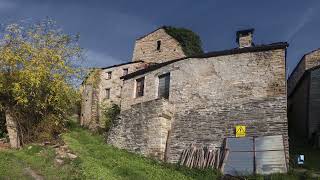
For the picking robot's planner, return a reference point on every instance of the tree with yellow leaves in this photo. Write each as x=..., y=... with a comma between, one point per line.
x=37, y=74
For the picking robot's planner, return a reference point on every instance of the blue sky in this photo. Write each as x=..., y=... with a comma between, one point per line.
x=108, y=29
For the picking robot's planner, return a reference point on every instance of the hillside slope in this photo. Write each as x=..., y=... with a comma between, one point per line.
x=96, y=160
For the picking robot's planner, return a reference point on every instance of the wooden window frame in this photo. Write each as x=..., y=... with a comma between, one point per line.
x=108, y=93
x=140, y=83
x=160, y=94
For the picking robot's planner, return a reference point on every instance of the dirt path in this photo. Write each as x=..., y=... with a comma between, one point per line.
x=33, y=174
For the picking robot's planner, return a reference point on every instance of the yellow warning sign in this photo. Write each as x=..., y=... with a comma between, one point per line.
x=240, y=131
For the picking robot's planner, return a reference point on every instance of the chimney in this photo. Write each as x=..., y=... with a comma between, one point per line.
x=244, y=38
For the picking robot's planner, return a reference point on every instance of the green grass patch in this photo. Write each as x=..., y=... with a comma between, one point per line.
x=40, y=159
x=99, y=160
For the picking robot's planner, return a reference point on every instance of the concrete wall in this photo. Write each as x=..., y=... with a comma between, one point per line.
x=209, y=96
x=145, y=49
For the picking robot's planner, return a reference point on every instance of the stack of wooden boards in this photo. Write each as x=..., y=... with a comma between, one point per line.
x=203, y=157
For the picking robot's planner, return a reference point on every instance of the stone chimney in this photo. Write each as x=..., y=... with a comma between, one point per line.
x=244, y=38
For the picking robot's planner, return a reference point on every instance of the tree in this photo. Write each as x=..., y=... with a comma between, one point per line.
x=37, y=75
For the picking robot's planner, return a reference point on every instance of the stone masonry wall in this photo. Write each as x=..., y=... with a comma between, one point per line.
x=115, y=83
x=309, y=61
x=93, y=98
x=212, y=95
x=146, y=48
x=144, y=129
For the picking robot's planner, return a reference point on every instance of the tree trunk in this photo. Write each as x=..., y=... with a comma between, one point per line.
x=12, y=129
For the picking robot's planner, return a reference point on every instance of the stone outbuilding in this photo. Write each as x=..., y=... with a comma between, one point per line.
x=180, y=98
x=304, y=99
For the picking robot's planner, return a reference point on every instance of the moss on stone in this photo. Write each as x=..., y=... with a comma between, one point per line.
x=190, y=41
x=93, y=78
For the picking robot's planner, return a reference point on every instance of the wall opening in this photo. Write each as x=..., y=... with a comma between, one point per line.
x=164, y=86
x=140, y=87
x=158, y=45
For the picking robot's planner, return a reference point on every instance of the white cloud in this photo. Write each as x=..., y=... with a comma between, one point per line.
x=306, y=18
x=99, y=59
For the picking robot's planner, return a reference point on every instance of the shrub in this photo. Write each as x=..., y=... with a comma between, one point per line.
x=190, y=41
x=110, y=114
x=38, y=75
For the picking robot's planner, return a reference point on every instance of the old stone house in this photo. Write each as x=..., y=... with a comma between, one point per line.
x=304, y=98
x=171, y=99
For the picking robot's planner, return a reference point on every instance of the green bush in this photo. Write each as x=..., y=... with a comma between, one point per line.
x=110, y=113
x=190, y=41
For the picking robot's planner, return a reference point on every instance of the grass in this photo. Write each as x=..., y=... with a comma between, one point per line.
x=13, y=164
x=98, y=160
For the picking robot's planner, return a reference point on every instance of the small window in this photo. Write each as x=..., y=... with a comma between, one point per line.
x=108, y=93
x=158, y=45
x=139, y=87
x=125, y=71
x=164, y=86
x=109, y=75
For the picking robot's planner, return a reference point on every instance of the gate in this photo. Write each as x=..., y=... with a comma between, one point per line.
x=255, y=155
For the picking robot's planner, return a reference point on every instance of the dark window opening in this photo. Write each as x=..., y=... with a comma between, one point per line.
x=109, y=75
x=125, y=71
x=158, y=45
x=164, y=86
x=140, y=87
x=108, y=93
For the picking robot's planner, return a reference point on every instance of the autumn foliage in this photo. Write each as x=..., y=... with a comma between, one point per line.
x=37, y=77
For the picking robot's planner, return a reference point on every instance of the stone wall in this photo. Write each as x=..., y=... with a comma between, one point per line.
x=144, y=128
x=94, y=97
x=115, y=83
x=145, y=49
x=314, y=103
x=298, y=110
x=308, y=61
x=87, y=103
x=212, y=95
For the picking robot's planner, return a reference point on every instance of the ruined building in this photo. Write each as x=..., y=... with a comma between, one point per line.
x=171, y=96
x=304, y=99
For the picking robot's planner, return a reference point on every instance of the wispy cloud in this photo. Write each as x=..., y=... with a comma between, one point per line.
x=304, y=20
x=99, y=59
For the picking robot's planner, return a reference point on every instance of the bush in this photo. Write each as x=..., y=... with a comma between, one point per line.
x=190, y=41
x=110, y=113
x=48, y=129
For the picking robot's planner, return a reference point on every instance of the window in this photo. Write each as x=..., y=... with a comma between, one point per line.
x=108, y=93
x=158, y=45
x=164, y=86
x=125, y=71
x=109, y=74
x=139, y=87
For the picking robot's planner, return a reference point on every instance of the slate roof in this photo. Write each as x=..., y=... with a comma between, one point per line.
x=273, y=46
x=117, y=65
